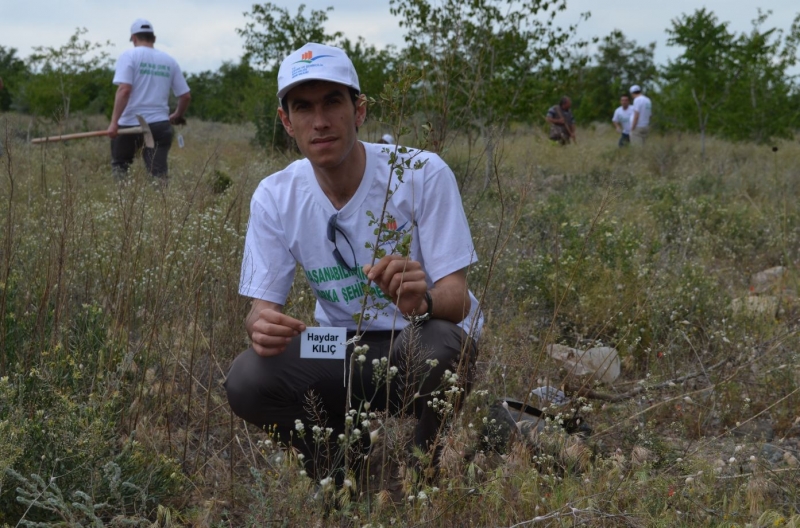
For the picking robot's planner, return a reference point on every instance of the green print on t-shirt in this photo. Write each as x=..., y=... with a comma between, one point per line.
x=159, y=70
x=356, y=292
x=347, y=293
x=328, y=295
x=333, y=273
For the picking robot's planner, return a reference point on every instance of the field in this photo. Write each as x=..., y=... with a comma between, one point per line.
x=120, y=316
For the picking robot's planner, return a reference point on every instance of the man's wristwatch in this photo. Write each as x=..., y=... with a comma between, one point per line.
x=419, y=318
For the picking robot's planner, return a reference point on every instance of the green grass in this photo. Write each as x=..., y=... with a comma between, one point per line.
x=121, y=315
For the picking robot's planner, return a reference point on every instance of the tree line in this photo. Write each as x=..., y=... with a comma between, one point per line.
x=473, y=67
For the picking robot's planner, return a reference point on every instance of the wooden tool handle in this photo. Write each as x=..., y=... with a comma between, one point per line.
x=131, y=130
x=96, y=133
x=70, y=136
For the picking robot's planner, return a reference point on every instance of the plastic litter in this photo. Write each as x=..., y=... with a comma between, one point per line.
x=602, y=363
x=550, y=395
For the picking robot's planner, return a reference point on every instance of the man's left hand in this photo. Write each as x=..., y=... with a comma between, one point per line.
x=402, y=280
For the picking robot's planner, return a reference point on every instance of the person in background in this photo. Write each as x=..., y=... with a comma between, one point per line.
x=144, y=77
x=623, y=117
x=562, y=123
x=642, y=113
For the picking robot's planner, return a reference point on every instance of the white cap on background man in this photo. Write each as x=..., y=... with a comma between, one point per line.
x=141, y=25
x=636, y=89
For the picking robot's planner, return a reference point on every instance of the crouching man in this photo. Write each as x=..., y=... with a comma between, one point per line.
x=421, y=321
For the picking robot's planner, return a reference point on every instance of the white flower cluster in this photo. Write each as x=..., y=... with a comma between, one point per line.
x=441, y=405
x=321, y=435
x=380, y=373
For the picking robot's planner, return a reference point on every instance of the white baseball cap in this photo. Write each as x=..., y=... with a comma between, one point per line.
x=388, y=139
x=636, y=88
x=141, y=25
x=316, y=62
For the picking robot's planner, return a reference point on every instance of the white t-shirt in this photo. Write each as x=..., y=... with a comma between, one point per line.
x=151, y=73
x=624, y=116
x=289, y=217
x=643, y=107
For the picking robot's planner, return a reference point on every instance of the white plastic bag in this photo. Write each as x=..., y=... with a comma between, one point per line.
x=602, y=363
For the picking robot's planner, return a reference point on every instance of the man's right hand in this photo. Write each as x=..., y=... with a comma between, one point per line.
x=271, y=330
x=113, y=130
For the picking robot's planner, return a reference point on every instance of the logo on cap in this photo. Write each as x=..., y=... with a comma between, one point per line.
x=308, y=57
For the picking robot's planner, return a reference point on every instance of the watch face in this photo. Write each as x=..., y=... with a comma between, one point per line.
x=414, y=319
x=422, y=317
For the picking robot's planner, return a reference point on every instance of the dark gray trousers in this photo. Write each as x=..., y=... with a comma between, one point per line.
x=270, y=392
x=125, y=147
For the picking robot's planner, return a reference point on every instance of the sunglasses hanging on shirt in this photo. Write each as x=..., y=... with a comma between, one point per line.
x=333, y=227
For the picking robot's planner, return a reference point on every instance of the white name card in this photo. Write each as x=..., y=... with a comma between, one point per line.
x=323, y=343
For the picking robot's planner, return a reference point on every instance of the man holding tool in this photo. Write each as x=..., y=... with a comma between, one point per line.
x=144, y=77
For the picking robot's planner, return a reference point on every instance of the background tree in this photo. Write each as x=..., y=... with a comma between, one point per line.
x=618, y=64
x=734, y=86
x=14, y=73
x=760, y=104
x=232, y=94
x=273, y=32
x=475, y=59
x=77, y=74
x=699, y=81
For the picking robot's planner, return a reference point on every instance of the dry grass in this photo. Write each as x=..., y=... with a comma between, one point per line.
x=121, y=315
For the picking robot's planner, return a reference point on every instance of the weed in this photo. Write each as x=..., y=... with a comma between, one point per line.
x=121, y=316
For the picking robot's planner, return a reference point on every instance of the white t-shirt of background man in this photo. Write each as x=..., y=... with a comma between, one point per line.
x=152, y=74
x=643, y=106
x=289, y=215
x=624, y=116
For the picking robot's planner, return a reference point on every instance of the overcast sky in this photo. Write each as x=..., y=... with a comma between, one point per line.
x=201, y=34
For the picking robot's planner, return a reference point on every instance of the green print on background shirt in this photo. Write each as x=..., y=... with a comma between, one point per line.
x=159, y=70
